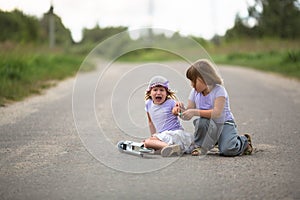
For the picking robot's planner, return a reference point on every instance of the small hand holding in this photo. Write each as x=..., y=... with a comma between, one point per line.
x=188, y=114
x=176, y=110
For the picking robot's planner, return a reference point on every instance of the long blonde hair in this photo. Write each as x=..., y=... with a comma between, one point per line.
x=204, y=70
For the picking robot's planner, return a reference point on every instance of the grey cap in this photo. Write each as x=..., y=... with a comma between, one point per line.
x=158, y=81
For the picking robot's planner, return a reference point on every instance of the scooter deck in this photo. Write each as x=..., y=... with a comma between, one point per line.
x=134, y=148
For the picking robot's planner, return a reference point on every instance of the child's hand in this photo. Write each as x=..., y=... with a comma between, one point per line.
x=176, y=110
x=188, y=114
x=180, y=105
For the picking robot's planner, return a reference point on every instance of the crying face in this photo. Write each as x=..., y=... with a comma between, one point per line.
x=158, y=94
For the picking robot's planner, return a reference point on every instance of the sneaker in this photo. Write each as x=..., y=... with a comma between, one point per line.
x=171, y=149
x=249, y=149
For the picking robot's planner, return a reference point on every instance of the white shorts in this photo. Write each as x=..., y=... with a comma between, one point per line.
x=180, y=137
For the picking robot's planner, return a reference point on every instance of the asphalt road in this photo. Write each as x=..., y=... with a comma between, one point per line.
x=62, y=145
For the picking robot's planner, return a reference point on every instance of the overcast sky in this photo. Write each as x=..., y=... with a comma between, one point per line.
x=203, y=18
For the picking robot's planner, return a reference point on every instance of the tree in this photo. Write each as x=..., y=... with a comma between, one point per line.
x=16, y=26
x=98, y=34
x=279, y=18
x=62, y=34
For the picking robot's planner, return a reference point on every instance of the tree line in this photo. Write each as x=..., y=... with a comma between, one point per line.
x=18, y=27
x=269, y=18
x=266, y=18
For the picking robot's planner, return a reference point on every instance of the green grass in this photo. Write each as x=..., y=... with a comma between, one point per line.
x=145, y=55
x=272, y=55
x=26, y=73
x=26, y=70
x=286, y=63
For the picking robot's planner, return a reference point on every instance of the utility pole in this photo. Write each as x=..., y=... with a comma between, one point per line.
x=51, y=27
x=150, y=17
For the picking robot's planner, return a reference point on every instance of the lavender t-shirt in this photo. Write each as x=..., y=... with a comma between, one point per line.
x=207, y=102
x=162, y=117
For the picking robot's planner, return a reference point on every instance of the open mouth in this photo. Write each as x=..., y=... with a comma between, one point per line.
x=158, y=98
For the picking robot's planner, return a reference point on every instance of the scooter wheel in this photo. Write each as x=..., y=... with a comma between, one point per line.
x=121, y=146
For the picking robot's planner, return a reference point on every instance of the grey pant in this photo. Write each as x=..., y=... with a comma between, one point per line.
x=208, y=133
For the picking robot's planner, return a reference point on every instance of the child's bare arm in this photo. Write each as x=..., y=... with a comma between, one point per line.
x=191, y=105
x=151, y=125
x=216, y=112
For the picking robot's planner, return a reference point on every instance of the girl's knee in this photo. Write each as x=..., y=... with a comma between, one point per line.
x=147, y=143
x=229, y=148
x=201, y=122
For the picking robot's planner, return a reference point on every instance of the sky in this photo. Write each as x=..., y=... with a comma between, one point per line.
x=201, y=18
